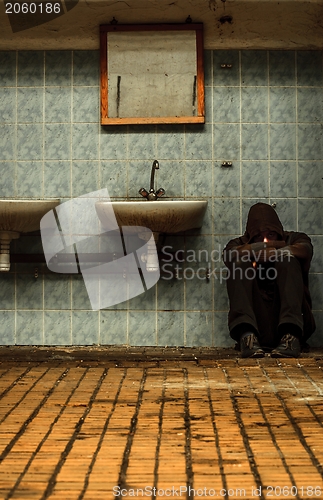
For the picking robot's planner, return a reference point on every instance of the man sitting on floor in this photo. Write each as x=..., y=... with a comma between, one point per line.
x=267, y=283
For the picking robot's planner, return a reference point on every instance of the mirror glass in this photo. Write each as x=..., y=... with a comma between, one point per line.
x=152, y=74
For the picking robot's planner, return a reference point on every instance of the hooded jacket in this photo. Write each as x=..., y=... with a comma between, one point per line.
x=263, y=217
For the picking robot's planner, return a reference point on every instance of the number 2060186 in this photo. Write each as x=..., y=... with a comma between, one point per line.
x=33, y=8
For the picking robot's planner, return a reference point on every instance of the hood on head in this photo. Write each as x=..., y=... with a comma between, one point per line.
x=262, y=217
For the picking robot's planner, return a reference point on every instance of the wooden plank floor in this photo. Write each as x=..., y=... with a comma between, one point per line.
x=225, y=428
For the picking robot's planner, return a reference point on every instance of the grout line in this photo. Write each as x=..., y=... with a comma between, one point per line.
x=133, y=426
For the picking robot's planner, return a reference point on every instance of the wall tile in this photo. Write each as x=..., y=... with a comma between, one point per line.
x=316, y=339
x=57, y=328
x=30, y=142
x=142, y=142
x=84, y=177
x=58, y=105
x=86, y=104
x=198, y=177
x=310, y=179
x=170, y=143
x=80, y=298
x=221, y=333
x=58, y=68
x=170, y=328
x=226, y=142
x=57, y=292
x=287, y=212
x=221, y=301
x=310, y=142
x=309, y=68
x=226, y=180
x=170, y=292
x=57, y=179
x=226, y=104
x=7, y=291
x=226, y=215
x=145, y=301
x=198, y=250
x=29, y=179
x=310, y=215
x=113, y=327
x=7, y=142
x=113, y=143
x=7, y=319
x=199, y=329
x=198, y=142
x=170, y=177
x=282, y=141
x=255, y=178
x=310, y=104
x=85, y=327
x=282, y=102
x=282, y=70
x=142, y=328
x=316, y=290
x=254, y=105
x=254, y=142
x=198, y=291
x=29, y=293
x=283, y=182
x=254, y=69
x=317, y=261
x=7, y=174
x=85, y=141
x=86, y=67
x=8, y=68
x=226, y=76
x=29, y=328
x=114, y=177
x=30, y=68
x=30, y=105
x=8, y=106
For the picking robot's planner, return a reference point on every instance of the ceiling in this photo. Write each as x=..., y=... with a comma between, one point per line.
x=229, y=24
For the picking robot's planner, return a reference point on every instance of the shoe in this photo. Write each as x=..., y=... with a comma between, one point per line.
x=249, y=346
x=289, y=347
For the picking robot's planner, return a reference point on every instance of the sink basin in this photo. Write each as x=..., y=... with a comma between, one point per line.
x=162, y=216
x=19, y=216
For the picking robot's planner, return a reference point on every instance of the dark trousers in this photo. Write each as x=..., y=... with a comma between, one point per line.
x=266, y=305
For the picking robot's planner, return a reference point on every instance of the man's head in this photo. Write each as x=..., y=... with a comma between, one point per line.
x=263, y=222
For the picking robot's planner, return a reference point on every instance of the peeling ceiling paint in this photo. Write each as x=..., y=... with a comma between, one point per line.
x=256, y=24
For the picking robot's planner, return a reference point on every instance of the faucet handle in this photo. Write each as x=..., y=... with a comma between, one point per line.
x=160, y=192
x=143, y=192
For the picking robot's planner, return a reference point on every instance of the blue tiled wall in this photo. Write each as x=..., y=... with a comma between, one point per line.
x=264, y=115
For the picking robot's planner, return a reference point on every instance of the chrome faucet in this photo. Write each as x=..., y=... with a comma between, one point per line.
x=152, y=195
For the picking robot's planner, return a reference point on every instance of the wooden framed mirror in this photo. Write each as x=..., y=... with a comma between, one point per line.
x=151, y=73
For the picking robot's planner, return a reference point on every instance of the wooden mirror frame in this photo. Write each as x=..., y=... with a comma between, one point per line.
x=199, y=117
